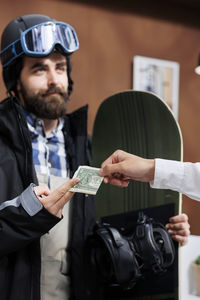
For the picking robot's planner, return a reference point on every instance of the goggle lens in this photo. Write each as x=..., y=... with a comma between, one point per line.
x=41, y=39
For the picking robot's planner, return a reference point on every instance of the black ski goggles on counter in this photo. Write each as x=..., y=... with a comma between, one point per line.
x=122, y=260
x=40, y=40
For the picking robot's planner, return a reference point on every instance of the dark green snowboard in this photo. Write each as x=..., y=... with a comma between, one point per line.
x=142, y=124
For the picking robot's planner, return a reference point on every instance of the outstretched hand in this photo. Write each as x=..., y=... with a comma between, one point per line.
x=55, y=201
x=122, y=166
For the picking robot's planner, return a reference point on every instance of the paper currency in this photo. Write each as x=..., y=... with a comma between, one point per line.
x=89, y=182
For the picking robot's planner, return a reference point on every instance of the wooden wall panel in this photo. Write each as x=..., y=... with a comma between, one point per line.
x=109, y=38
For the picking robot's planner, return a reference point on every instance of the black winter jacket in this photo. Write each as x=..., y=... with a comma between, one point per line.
x=19, y=232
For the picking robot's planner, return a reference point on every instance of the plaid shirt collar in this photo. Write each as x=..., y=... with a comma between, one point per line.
x=49, y=155
x=36, y=125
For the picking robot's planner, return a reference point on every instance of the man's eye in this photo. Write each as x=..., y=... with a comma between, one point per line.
x=62, y=68
x=39, y=70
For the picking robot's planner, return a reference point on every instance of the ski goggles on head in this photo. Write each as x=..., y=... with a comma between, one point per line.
x=40, y=40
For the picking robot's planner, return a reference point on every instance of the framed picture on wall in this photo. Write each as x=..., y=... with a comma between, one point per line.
x=158, y=76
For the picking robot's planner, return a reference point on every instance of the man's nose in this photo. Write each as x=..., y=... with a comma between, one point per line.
x=52, y=78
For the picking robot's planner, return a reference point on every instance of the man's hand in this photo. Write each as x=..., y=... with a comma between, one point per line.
x=179, y=228
x=122, y=166
x=55, y=201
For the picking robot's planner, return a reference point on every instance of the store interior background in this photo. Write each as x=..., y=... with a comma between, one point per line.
x=110, y=33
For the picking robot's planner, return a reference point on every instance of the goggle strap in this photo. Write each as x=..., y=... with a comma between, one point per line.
x=18, y=48
x=10, y=53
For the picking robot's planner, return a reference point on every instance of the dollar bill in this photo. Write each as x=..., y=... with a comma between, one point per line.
x=89, y=182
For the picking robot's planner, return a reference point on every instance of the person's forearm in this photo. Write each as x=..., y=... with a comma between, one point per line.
x=183, y=177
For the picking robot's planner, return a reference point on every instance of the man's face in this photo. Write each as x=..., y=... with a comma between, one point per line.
x=43, y=86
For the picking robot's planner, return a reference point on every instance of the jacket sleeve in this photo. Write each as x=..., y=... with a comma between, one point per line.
x=22, y=220
x=183, y=177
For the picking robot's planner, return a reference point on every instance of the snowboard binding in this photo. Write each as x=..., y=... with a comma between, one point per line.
x=122, y=260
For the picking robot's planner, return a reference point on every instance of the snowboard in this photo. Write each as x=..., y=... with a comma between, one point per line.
x=142, y=124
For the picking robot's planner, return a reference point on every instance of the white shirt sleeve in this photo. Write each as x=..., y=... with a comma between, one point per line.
x=183, y=177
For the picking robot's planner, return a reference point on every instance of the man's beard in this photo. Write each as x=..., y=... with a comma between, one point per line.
x=44, y=105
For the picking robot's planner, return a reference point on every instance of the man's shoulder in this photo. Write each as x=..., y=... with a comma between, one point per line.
x=8, y=102
x=5, y=102
x=78, y=117
x=76, y=122
x=82, y=111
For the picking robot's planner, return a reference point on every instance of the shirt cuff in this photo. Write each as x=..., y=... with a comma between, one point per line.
x=30, y=202
x=168, y=174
